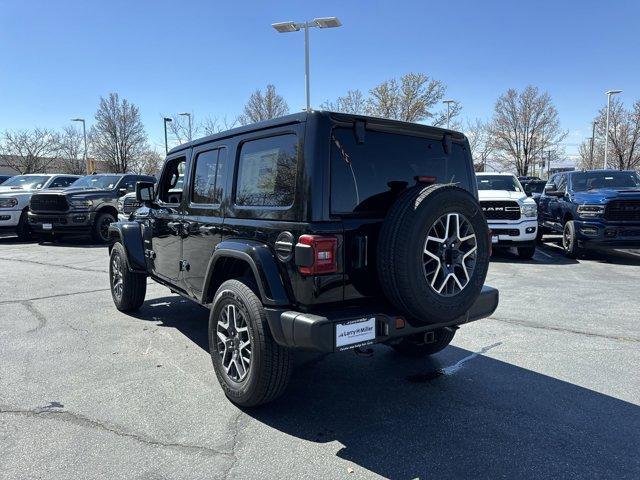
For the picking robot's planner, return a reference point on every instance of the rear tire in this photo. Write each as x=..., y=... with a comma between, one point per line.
x=414, y=346
x=252, y=373
x=570, y=241
x=526, y=253
x=100, y=227
x=128, y=289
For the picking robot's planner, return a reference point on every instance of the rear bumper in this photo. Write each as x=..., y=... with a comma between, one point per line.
x=61, y=222
x=305, y=331
x=606, y=234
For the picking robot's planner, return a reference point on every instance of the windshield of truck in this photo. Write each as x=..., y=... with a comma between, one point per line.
x=499, y=182
x=98, y=182
x=367, y=178
x=27, y=182
x=584, y=181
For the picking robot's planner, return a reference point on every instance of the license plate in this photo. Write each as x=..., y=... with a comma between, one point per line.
x=494, y=238
x=355, y=333
x=47, y=226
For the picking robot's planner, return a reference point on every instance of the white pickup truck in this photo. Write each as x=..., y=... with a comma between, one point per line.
x=15, y=194
x=512, y=215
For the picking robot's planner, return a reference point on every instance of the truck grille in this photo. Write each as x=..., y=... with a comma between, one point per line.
x=42, y=202
x=500, y=210
x=623, y=211
x=130, y=205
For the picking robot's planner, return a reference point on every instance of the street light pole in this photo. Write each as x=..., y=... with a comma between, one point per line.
x=448, y=102
x=606, y=133
x=593, y=139
x=166, y=144
x=187, y=114
x=287, y=27
x=84, y=133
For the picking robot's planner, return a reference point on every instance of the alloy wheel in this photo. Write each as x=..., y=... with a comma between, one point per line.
x=449, y=255
x=104, y=228
x=234, y=343
x=117, y=284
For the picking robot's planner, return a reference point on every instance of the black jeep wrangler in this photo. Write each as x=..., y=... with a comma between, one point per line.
x=318, y=231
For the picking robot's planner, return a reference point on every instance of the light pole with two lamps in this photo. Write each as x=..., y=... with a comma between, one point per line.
x=287, y=27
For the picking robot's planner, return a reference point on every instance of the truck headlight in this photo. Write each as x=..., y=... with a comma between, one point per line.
x=8, y=202
x=529, y=210
x=590, y=210
x=80, y=204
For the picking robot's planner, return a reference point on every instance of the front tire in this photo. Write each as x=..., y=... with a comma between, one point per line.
x=128, y=289
x=100, y=228
x=570, y=240
x=526, y=253
x=24, y=231
x=251, y=367
x=414, y=347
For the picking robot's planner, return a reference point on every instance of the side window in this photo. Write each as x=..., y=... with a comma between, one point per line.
x=62, y=182
x=172, y=180
x=561, y=181
x=129, y=183
x=208, y=177
x=267, y=172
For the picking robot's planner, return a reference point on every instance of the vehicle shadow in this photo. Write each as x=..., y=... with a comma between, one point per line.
x=543, y=256
x=601, y=255
x=70, y=242
x=402, y=418
x=13, y=240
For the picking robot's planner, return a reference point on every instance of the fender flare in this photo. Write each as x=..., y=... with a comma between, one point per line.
x=130, y=235
x=262, y=263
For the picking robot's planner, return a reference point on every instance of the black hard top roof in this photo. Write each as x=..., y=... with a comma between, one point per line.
x=302, y=117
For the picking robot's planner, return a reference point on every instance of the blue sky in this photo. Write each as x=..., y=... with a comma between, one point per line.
x=58, y=58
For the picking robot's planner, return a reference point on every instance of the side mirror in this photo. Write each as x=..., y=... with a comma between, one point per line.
x=122, y=191
x=551, y=191
x=144, y=192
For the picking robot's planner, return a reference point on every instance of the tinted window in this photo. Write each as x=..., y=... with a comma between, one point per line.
x=499, y=182
x=368, y=177
x=101, y=182
x=594, y=180
x=208, y=178
x=62, y=182
x=129, y=183
x=267, y=172
x=172, y=180
x=562, y=182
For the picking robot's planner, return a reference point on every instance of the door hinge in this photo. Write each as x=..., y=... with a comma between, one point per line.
x=184, y=266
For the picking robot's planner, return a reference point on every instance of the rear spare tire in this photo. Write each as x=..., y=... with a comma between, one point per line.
x=433, y=253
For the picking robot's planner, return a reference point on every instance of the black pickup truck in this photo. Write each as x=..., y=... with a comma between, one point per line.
x=592, y=208
x=317, y=231
x=88, y=206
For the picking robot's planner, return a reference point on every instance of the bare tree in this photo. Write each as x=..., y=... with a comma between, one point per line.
x=524, y=126
x=212, y=125
x=353, y=102
x=118, y=136
x=265, y=106
x=624, y=135
x=412, y=98
x=71, y=151
x=29, y=151
x=480, y=143
x=585, y=160
x=148, y=162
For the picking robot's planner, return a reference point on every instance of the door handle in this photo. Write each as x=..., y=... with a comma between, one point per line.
x=208, y=230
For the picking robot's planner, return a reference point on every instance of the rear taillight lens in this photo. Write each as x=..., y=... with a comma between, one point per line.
x=316, y=255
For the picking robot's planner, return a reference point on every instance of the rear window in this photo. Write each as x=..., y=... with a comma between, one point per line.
x=367, y=178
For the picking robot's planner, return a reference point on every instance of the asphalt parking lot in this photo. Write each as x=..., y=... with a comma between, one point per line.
x=546, y=388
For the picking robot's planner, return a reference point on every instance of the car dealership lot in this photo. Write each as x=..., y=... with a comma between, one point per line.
x=546, y=387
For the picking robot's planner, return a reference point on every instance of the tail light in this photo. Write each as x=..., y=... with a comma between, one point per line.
x=316, y=255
